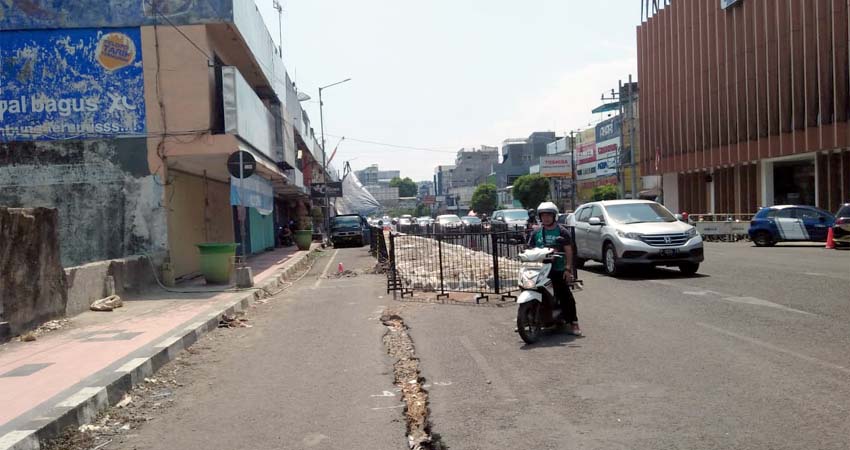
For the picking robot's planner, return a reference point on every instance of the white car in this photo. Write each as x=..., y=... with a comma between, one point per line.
x=620, y=233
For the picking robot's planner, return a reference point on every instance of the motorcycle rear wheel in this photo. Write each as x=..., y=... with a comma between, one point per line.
x=528, y=322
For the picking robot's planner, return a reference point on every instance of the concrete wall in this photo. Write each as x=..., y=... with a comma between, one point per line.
x=190, y=222
x=32, y=284
x=109, y=205
x=87, y=283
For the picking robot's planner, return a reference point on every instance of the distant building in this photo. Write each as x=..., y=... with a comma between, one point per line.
x=386, y=196
x=443, y=176
x=518, y=155
x=473, y=166
x=424, y=188
x=373, y=176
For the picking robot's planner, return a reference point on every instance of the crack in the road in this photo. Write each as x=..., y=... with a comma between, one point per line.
x=408, y=378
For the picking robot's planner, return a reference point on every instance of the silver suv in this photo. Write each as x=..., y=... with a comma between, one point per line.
x=619, y=233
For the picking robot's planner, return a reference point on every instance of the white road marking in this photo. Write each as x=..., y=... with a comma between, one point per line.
x=325, y=272
x=81, y=396
x=13, y=437
x=769, y=346
x=384, y=394
x=131, y=365
x=731, y=298
x=760, y=302
x=389, y=407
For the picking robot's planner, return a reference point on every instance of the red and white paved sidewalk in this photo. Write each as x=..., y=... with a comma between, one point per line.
x=43, y=383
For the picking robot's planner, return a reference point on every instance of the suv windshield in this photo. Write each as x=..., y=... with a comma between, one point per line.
x=449, y=219
x=843, y=212
x=471, y=220
x=516, y=214
x=639, y=213
x=347, y=221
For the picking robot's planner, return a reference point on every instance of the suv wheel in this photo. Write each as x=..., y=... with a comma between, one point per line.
x=689, y=268
x=609, y=260
x=763, y=239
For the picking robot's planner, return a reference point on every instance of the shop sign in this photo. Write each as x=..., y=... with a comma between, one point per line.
x=556, y=166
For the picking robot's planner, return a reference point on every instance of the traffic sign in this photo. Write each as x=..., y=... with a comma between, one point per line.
x=241, y=160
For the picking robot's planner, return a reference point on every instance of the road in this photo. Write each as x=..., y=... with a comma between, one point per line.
x=749, y=354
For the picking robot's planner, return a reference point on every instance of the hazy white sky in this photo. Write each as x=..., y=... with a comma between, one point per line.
x=446, y=74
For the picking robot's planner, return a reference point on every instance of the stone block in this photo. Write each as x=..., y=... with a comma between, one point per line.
x=32, y=281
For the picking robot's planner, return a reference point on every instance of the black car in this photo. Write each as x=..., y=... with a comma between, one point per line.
x=841, y=228
x=472, y=224
x=349, y=228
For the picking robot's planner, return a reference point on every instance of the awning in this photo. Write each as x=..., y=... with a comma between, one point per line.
x=615, y=106
x=253, y=192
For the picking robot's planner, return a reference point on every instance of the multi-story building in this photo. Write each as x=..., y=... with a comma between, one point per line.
x=130, y=140
x=424, y=188
x=443, y=177
x=385, y=195
x=745, y=104
x=518, y=155
x=473, y=166
x=373, y=176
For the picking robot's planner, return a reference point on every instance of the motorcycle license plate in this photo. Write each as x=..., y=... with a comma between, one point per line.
x=669, y=252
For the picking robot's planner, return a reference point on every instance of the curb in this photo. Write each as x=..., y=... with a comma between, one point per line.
x=83, y=406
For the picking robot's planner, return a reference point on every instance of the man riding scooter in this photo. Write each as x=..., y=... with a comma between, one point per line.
x=562, y=270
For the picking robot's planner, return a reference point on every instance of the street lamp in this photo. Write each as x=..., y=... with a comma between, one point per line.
x=324, y=153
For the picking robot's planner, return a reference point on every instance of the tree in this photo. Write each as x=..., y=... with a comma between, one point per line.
x=406, y=186
x=607, y=192
x=531, y=190
x=485, y=199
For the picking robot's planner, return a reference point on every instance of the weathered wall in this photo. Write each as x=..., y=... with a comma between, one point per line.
x=109, y=205
x=32, y=283
x=199, y=212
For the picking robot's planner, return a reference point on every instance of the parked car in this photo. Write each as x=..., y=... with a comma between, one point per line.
x=448, y=223
x=841, y=229
x=348, y=228
x=789, y=223
x=405, y=224
x=621, y=233
x=472, y=223
x=509, y=219
x=567, y=219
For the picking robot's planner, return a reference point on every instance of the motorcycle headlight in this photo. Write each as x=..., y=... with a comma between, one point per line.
x=634, y=236
x=691, y=233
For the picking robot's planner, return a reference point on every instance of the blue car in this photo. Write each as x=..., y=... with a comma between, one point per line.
x=790, y=223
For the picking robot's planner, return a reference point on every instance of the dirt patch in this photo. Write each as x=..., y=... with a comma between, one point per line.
x=43, y=329
x=407, y=377
x=380, y=268
x=344, y=274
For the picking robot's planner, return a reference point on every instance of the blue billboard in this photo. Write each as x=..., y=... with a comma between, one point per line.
x=45, y=14
x=71, y=84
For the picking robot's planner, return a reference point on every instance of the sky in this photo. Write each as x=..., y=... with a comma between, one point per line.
x=431, y=77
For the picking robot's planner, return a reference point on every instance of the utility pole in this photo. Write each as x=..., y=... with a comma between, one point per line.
x=632, y=140
x=575, y=169
x=325, y=154
x=277, y=6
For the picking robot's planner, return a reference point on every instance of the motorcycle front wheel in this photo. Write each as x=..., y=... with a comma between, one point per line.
x=528, y=322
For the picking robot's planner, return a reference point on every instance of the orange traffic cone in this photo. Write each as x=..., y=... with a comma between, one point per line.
x=830, y=239
x=339, y=268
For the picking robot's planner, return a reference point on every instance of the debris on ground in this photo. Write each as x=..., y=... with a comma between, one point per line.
x=378, y=269
x=107, y=304
x=407, y=377
x=233, y=321
x=344, y=274
x=124, y=401
x=27, y=337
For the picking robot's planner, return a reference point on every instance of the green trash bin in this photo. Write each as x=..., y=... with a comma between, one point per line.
x=216, y=261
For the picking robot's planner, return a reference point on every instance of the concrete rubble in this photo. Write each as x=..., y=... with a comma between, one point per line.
x=464, y=269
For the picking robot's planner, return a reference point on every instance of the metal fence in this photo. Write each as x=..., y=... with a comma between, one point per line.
x=478, y=263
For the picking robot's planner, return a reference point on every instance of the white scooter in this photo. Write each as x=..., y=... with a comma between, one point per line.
x=538, y=308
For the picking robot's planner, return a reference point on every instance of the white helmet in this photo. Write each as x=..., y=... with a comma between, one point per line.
x=547, y=207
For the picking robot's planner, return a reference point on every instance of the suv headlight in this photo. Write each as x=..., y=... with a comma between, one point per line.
x=692, y=233
x=634, y=236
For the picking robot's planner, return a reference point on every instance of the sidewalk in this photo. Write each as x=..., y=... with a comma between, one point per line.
x=67, y=376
